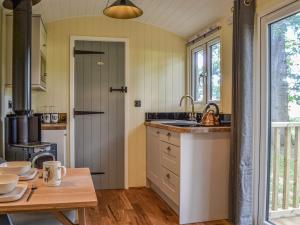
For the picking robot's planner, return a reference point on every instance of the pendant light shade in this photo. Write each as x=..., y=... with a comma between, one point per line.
x=123, y=9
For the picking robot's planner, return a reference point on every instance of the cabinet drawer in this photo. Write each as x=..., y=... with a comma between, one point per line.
x=170, y=137
x=154, y=131
x=170, y=157
x=170, y=185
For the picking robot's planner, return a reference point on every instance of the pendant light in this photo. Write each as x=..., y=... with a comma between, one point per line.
x=122, y=9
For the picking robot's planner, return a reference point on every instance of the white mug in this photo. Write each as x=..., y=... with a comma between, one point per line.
x=52, y=173
x=54, y=117
x=46, y=118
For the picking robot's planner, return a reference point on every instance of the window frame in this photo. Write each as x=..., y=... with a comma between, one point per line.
x=262, y=119
x=205, y=44
x=209, y=70
x=193, y=73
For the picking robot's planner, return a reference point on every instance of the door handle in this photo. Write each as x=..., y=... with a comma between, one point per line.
x=78, y=113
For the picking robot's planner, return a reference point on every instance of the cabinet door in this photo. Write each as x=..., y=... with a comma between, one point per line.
x=9, y=47
x=153, y=156
x=58, y=137
x=43, y=39
x=38, y=52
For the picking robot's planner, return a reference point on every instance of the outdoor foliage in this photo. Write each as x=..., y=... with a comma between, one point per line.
x=286, y=35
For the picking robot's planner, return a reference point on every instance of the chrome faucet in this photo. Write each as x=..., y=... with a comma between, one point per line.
x=193, y=115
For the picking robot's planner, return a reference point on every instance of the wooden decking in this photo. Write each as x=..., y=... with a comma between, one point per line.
x=287, y=221
x=138, y=206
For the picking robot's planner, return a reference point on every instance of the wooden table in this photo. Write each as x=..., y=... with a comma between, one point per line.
x=75, y=192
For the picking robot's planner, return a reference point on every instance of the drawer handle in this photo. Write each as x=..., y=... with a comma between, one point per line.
x=169, y=134
x=168, y=176
x=169, y=148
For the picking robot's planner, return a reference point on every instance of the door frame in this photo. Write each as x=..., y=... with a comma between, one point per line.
x=72, y=97
x=262, y=104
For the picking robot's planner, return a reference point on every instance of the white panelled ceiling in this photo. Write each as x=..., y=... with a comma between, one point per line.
x=182, y=17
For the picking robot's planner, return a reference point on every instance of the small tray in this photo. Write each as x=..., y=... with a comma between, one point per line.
x=31, y=174
x=16, y=194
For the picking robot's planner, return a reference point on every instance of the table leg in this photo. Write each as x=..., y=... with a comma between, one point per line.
x=5, y=220
x=81, y=216
x=60, y=216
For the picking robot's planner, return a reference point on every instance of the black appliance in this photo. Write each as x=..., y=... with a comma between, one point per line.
x=37, y=153
x=22, y=128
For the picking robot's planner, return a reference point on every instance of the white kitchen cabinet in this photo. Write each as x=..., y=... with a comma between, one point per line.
x=58, y=137
x=38, y=52
x=193, y=172
x=153, y=156
x=170, y=185
x=170, y=157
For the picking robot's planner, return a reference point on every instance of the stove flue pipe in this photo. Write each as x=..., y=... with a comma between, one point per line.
x=22, y=16
x=22, y=28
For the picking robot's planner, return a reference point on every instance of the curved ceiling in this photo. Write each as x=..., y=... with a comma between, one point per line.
x=182, y=17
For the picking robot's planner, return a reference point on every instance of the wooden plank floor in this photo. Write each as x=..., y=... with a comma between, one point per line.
x=138, y=206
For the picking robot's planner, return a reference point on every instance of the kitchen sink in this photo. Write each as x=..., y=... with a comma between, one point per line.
x=183, y=125
x=180, y=123
x=192, y=124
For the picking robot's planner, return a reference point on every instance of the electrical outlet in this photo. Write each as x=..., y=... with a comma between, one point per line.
x=137, y=103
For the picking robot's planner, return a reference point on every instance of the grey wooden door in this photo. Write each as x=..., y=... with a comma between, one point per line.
x=99, y=138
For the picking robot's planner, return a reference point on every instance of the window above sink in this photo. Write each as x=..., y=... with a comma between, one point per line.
x=205, y=73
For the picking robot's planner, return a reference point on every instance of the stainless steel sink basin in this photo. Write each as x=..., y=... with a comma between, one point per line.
x=183, y=124
x=180, y=123
x=171, y=122
x=190, y=124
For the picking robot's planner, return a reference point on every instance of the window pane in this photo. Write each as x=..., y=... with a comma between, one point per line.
x=215, y=72
x=198, y=76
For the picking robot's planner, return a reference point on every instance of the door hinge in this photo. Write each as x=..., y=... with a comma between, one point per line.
x=97, y=173
x=122, y=89
x=80, y=113
x=86, y=52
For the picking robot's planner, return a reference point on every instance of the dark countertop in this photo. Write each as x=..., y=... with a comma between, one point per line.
x=196, y=130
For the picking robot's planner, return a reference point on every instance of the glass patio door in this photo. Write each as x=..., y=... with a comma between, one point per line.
x=280, y=117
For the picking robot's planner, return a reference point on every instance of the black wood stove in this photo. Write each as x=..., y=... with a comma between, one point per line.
x=22, y=128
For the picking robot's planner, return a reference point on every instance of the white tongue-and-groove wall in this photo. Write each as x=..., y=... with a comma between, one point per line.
x=157, y=74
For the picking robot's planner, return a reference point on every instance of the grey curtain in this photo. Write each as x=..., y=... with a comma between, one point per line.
x=241, y=144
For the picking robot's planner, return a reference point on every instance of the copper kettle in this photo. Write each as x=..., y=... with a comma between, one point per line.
x=210, y=117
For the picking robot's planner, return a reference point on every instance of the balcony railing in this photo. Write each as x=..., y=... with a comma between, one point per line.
x=285, y=169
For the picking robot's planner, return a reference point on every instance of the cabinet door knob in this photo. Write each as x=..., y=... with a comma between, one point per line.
x=169, y=134
x=169, y=148
x=157, y=132
x=168, y=176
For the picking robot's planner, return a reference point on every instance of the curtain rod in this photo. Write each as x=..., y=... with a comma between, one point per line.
x=202, y=36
